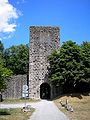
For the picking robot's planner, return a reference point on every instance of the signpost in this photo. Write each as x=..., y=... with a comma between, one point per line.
x=25, y=93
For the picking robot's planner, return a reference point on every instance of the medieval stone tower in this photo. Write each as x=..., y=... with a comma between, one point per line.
x=43, y=39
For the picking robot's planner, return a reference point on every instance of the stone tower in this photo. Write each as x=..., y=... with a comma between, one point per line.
x=43, y=39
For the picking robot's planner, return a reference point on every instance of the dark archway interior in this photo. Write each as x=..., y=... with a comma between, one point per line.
x=45, y=91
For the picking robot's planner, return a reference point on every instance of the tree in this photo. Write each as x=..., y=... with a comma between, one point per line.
x=54, y=69
x=66, y=65
x=71, y=64
x=17, y=58
x=1, y=49
x=86, y=61
x=4, y=72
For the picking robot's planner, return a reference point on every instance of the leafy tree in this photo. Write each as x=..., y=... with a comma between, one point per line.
x=54, y=69
x=4, y=72
x=17, y=58
x=1, y=49
x=86, y=61
x=66, y=65
x=71, y=64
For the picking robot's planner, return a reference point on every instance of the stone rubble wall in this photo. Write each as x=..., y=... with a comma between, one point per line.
x=43, y=39
x=14, y=87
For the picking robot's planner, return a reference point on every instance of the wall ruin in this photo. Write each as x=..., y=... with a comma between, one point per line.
x=14, y=87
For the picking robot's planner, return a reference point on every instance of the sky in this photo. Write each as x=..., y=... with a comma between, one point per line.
x=16, y=16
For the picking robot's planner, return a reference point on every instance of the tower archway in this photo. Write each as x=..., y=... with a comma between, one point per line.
x=45, y=91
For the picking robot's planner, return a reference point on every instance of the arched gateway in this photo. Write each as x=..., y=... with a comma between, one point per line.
x=45, y=91
x=43, y=39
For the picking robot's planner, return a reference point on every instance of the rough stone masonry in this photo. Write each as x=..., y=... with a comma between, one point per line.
x=43, y=39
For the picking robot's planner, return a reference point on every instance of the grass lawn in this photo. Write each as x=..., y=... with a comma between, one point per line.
x=19, y=100
x=15, y=114
x=80, y=104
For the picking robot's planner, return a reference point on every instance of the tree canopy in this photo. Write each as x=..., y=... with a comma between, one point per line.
x=13, y=60
x=4, y=72
x=70, y=65
x=86, y=61
x=17, y=58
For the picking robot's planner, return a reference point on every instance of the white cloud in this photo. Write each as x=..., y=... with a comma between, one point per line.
x=8, y=15
x=0, y=39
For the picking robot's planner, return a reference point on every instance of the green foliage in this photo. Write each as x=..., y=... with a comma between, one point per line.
x=17, y=59
x=1, y=49
x=4, y=72
x=55, y=74
x=86, y=61
x=70, y=65
x=71, y=62
x=12, y=60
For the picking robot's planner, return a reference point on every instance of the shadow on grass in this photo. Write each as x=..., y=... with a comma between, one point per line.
x=78, y=95
x=4, y=112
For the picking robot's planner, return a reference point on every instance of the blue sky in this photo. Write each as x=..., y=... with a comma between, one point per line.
x=72, y=16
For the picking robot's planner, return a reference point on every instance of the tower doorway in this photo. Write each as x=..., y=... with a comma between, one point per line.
x=45, y=91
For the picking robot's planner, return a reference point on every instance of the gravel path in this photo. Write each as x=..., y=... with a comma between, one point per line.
x=17, y=105
x=45, y=110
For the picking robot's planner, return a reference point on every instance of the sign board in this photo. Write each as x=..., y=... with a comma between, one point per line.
x=25, y=87
x=24, y=95
x=25, y=91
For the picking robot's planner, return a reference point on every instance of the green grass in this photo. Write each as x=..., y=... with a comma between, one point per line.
x=15, y=114
x=18, y=100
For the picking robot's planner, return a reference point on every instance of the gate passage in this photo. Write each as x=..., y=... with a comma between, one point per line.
x=45, y=91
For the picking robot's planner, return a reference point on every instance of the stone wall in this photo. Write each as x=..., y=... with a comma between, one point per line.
x=43, y=39
x=14, y=86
